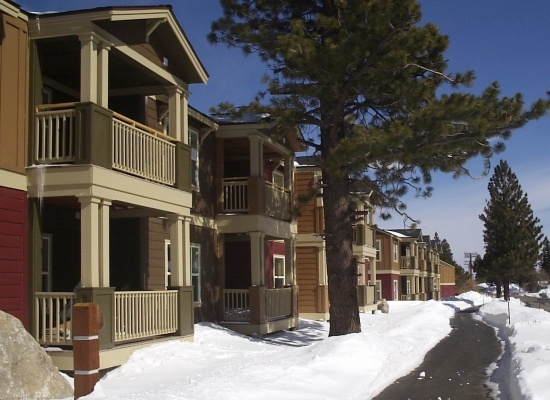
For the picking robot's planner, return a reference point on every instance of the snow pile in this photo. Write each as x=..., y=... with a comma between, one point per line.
x=307, y=364
x=528, y=332
x=304, y=363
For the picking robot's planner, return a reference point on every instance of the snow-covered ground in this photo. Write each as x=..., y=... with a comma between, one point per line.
x=307, y=364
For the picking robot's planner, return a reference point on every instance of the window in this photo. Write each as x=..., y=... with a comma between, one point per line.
x=278, y=178
x=378, y=290
x=278, y=271
x=47, y=262
x=167, y=265
x=408, y=287
x=395, y=251
x=395, y=290
x=196, y=271
x=378, y=247
x=194, y=144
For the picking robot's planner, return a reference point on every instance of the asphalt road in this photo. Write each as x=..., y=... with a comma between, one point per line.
x=455, y=368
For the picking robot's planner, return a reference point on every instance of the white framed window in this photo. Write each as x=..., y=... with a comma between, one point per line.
x=278, y=271
x=194, y=144
x=278, y=178
x=167, y=264
x=47, y=262
x=395, y=289
x=378, y=247
x=378, y=290
x=408, y=287
x=395, y=250
x=196, y=271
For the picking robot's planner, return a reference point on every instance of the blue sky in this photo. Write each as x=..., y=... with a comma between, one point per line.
x=504, y=41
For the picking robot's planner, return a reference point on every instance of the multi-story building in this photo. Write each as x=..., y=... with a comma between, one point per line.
x=407, y=265
x=311, y=266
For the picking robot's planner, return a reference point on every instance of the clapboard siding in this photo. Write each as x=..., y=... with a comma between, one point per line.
x=13, y=253
x=307, y=278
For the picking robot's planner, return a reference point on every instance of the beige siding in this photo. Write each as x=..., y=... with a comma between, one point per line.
x=447, y=274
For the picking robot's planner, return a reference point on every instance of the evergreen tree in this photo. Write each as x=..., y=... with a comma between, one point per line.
x=363, y=79
x=545, y=256
x=512, y=235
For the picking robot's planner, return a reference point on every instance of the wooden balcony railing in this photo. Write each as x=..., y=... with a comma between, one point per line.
x=142, y=153
x=236, y=193
x=278, y=303
x=140, y=315
x=52, y=318
x=277, y=201
x=135, y=148
x=235, y=305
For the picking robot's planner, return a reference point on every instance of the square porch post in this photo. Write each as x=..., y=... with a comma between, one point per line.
x=180, y=257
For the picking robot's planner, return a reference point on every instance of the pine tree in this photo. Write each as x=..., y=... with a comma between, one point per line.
x=545, y=256
x=363, y=80
x=512, y=235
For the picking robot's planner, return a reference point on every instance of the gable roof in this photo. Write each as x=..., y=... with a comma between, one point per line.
x=160, y=21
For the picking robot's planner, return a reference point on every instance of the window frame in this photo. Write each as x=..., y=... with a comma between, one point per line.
x=194, y=145
x=197, y=274
x=378, y=247
x=280, y=258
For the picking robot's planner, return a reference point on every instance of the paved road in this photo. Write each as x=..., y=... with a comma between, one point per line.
x=455, y=368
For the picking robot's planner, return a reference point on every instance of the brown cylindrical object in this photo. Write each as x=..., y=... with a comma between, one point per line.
x=85, y=327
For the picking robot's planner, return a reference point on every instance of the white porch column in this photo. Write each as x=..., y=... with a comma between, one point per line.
x=89, y=241
x=175, y=223
x=257, y=260
x=88, y=67
x=290, y=260
x=256, y=156
x=185, y=116
x=372, y=269
x=361, y=271
x=187, y=252
x=289, y=172
x=322, y=261
x=104, y=259
x=103, y=74
x=175, y=112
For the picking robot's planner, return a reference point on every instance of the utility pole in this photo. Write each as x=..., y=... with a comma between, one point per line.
x=469, y=257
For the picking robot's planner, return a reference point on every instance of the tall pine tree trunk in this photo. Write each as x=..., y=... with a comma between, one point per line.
x=506, y=285
x=341, y=266
x=498, y=285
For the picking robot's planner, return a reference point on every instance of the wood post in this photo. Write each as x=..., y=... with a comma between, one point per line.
x=86, y=325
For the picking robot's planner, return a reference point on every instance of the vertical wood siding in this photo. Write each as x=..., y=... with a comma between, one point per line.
x=13, y=94
x=307, y=278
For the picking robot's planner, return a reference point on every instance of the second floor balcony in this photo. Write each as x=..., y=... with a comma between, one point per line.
x=84, y=133
x=253, y=195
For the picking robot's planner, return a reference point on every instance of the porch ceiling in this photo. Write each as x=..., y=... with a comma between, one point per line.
x=60, y=62
x=239, y=148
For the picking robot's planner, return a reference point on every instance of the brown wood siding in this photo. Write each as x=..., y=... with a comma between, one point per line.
x=307, y=278
x=205, y=200
x=13, y=94
x=211, y=280
x=13, y=253
x=307, y=210
x=155, y=269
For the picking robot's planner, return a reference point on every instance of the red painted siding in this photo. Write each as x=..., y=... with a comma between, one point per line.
x=447, y=290
x=13, y=253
